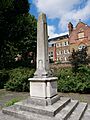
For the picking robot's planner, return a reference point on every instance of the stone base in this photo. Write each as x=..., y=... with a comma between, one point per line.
x=19, y=109
x=63, y=109
x=43, y=91
x=43, y=102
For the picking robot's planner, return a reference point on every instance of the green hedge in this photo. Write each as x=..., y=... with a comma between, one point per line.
x=70, y=82
x=4, y=76
x=19, y=79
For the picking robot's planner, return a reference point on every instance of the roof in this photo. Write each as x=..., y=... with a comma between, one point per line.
x=80, y=24
x=59, y=37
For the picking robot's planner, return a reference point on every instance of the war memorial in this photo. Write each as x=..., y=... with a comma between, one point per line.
x=44, y=103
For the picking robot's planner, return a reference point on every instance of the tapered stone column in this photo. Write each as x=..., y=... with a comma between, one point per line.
x=43, y=87
x=42, y=48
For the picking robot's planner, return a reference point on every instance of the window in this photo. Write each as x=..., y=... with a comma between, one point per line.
x=65, y=59
x=81, y=46
x=57, y=52
x=65, y=51
x=61, y=58
x=65, y=43
x=50, y=54
x=68, y=51
x=52, y=45
x=58, y=44
x=60, y=52
x=80, y=35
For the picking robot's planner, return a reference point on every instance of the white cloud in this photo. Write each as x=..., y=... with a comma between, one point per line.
x=64, y=10
x=52, y=34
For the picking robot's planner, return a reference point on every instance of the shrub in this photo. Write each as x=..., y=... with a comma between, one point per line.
x=71, y=82
x=19, y=79
x=4, y=76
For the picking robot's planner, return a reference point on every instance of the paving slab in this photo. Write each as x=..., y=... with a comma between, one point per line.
x=7, y=117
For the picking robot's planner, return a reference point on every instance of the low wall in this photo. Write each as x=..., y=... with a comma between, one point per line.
x=56, y=66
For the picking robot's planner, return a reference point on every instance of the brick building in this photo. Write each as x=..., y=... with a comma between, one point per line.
x=60, y=48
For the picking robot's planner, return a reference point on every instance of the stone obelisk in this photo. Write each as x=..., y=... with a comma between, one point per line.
x=43, y=87
x=42, y=48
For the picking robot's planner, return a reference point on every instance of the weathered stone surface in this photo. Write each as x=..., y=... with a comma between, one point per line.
x=61, y=110
x=43, y=102
x=43, y=87
x=86, y=115
x=66, y=111
x=50, y=110
x=78, y=112
x=7, y=117
x=42, y=47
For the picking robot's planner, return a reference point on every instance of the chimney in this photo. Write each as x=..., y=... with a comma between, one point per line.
x=70, y=27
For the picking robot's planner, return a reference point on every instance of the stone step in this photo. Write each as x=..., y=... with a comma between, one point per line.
x=66, y=111
x=24, y=115
x=50, y=110
x=86, y=115
x=69, y=110
x=78, y=112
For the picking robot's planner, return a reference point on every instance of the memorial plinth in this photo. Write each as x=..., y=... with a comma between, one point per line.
x=43, y=91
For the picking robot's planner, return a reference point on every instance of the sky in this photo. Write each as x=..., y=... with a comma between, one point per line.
x=60, y=12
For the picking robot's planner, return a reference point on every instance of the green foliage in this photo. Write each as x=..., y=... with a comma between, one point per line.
x=4, y=76
x=19, y=79
x=17, y=31
x=79, y=58
x=11, y=102
x=71, y=82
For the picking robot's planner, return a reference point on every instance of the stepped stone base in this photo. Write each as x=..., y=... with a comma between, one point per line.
x=43, y=102
x=63, y=109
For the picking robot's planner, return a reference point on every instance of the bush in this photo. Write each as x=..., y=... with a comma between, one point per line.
x=71, y=82
x=19, y=79
x=4, y=76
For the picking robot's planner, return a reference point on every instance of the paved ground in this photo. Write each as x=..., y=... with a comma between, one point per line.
x=6, y=96
x=7, y=117
x=77, y=96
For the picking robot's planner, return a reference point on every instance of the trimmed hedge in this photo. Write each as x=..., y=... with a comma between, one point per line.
x=19, y=79
x=70, y=82
x=4, y=77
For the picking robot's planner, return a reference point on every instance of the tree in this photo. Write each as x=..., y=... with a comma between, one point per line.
x=79, y=58
x=17, y=30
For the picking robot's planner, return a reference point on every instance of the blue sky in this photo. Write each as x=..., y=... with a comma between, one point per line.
x=60, y=12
